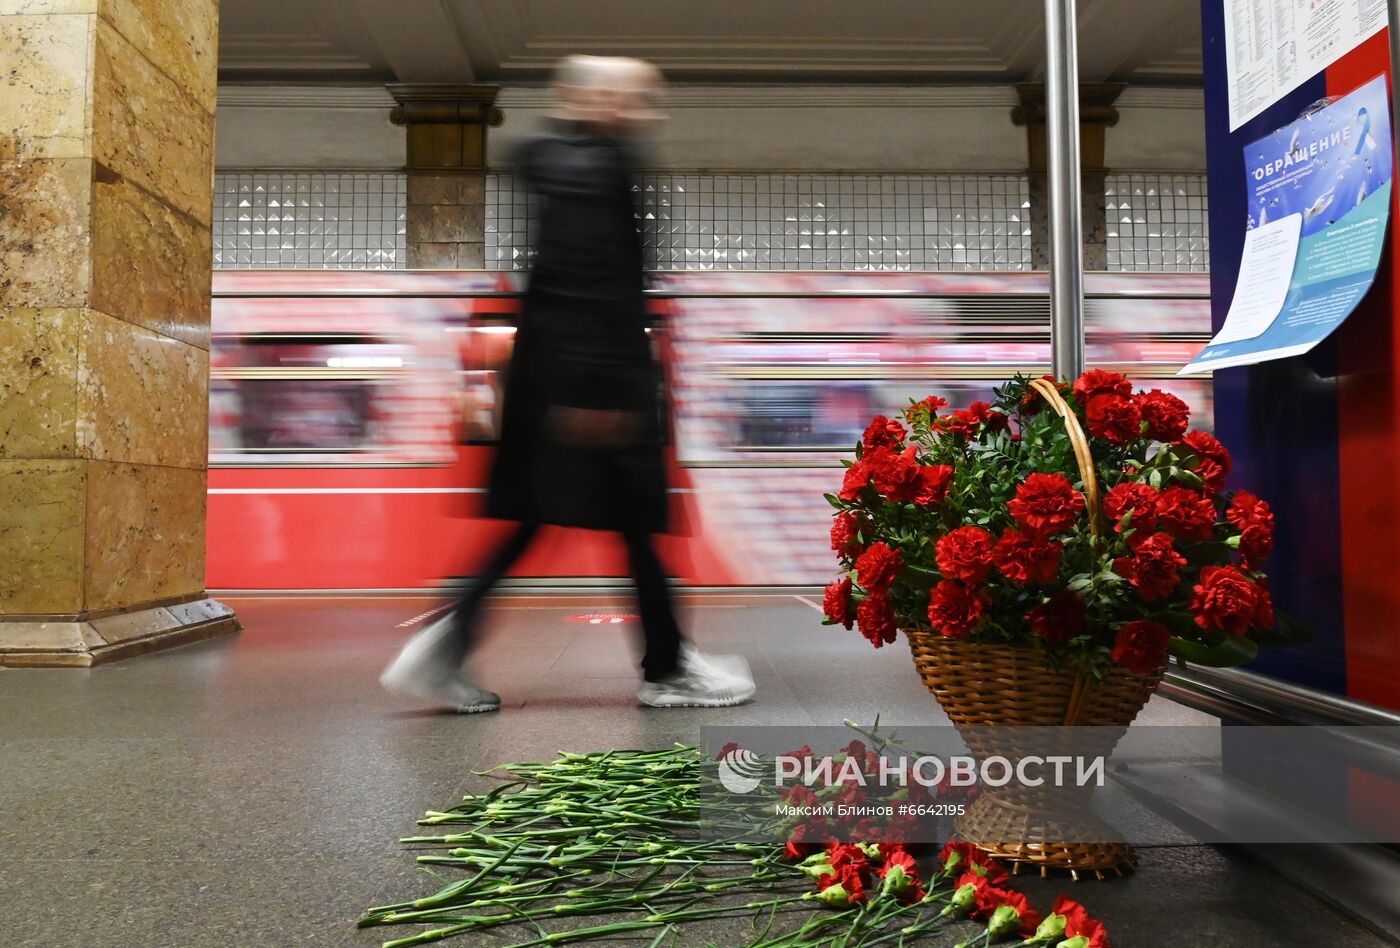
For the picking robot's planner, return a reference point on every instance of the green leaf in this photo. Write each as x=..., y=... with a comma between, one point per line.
x=835, y=501
x=1234, y=650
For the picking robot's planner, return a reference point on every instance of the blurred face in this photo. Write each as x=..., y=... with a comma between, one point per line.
x=620, y=96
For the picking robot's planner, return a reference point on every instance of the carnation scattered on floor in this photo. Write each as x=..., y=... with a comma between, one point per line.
x=634, y=844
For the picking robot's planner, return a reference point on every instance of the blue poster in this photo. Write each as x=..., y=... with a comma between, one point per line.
x=1320, y=197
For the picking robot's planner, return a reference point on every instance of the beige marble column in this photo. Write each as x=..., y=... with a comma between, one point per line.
x=445, y=221
x=106, y=165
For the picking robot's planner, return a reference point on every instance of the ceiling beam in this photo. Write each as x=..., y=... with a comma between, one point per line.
x=419, y=39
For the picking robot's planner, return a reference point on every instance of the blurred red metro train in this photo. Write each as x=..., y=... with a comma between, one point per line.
x=353, y=412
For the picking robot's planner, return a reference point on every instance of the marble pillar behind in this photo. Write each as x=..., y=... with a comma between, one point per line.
x=1094, y=221
x=445, y=221
x=106, y=166
x=446, y=125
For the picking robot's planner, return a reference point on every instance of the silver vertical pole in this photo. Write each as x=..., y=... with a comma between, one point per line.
x=1066, y=229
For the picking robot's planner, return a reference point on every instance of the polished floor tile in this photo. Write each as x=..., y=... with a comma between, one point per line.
x=251, y=790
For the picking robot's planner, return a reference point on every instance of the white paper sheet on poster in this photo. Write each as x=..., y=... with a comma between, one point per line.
x=1266, y=266
x=1273, y=47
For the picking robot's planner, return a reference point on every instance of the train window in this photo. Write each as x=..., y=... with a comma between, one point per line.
x=304, y=394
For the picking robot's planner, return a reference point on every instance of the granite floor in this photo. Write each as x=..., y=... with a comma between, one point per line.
x=251, y=790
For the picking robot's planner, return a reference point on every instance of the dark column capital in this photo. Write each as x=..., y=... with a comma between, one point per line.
x=1096, y=113
x=446, y=124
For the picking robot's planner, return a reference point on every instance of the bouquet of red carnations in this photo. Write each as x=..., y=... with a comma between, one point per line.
x=1082, y=519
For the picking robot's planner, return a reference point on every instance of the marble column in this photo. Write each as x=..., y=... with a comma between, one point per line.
x=1096, y=115
x=445, y=221
x=106, y=167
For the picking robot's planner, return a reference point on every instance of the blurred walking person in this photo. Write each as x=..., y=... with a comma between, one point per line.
x=581, y=430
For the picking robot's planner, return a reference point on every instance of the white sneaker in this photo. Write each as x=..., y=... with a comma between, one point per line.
x=731, y=666
x=703, y=681
x=415, y=673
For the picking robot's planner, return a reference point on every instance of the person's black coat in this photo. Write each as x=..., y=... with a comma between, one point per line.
x=581, y=343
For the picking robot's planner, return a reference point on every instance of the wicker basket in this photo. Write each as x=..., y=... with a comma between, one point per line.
x=986, y=687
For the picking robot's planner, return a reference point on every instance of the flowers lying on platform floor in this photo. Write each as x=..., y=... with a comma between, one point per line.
x=638, y=843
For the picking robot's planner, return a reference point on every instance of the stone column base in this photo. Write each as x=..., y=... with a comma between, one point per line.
x=81, y=642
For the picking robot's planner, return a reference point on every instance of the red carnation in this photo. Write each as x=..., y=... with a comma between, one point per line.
x=1255, y=521
x=1213, y=462
x=877, y=567
x=1098, y=382
x=965, y=858
x=966, y=554
x=1185, y=514
x=844, y=530
x=1078, y=924
x=1113, y=417
x=798, y=794
x=1141, y=646
x=883, y=433
x=1154, y=568
x=968, y=421
x=1007, y=910
x=843, y=854
x=1058, y=619
x=807, y=838
x=875, y=616
x=896, y=476
x=1046, y=504
x=954, y=610
x=836, y=604
x=1027, y=558
x=1138, y=499
x=899, y=876
x=926, y=408
x=1225, y=599
x=1166, y=415
x=842, y=888
x=933, y=484
x=857, y=476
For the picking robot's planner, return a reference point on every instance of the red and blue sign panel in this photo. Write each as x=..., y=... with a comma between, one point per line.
x=1318, y=434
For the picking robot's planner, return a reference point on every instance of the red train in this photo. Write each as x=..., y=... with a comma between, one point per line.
x=352, y=412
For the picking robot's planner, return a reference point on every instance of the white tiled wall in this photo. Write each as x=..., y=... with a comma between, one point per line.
x=723, y=221
x=313, y=220
x=805, y=222
x=1156, y=222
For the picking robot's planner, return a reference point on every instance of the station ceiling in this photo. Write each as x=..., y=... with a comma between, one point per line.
x=516, y=41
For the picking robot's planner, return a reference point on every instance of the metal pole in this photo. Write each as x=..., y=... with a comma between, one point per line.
x=1066, y=229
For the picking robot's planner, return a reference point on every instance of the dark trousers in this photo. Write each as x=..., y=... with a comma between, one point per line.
x=661, y=635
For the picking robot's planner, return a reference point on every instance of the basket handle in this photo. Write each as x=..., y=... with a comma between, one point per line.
x=1080, y=442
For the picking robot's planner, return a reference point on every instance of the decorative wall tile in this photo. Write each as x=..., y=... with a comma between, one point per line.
x=318, y=221
x=1157, y=222
x=803, y=222
x=145, y=534
x=44, y=92
x=146, y=128
x=40, y=351
x=143, y=397
x=41, y=536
